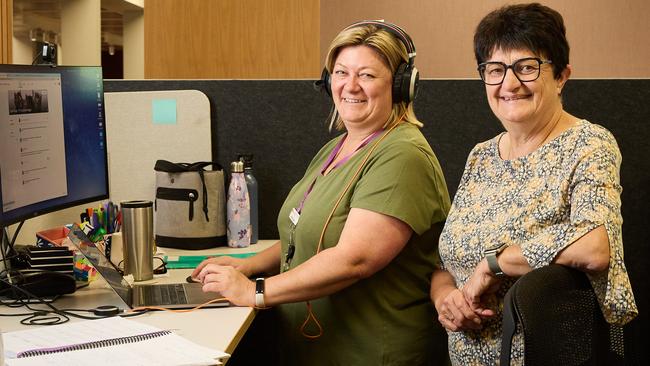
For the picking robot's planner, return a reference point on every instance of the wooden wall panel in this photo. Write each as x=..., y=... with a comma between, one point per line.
x=247, y=39
x=608, y=39
x=6, y=30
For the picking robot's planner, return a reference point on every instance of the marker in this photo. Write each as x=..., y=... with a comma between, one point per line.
x=95, y=220
x=109, y=217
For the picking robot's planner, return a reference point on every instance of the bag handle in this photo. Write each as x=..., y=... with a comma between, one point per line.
x=169, y=167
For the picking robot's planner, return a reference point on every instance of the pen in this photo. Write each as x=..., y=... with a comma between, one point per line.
x=113, y=216
x=95, y=220
x=109, y=217
x=118, y=220
x=106, y=216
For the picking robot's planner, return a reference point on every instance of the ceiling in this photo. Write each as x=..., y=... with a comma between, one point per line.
x=43, y=19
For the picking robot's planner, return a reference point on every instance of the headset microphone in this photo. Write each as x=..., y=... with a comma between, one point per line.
x=321, y=84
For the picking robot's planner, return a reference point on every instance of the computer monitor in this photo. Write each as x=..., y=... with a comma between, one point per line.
x=52, y=139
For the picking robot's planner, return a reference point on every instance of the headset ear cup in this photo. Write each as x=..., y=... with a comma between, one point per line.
x=414, y=83
x=410, y=80
x=398, y=81
x=326, y=81
x=405, y=83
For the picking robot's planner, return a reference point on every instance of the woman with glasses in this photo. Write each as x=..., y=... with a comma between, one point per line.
x=358, y=231
x=546, y=190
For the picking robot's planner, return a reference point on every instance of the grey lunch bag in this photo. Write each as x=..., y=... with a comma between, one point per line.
x=190, y=205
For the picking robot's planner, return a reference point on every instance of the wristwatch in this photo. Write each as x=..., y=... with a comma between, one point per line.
x=491, y=256
x=259, y=293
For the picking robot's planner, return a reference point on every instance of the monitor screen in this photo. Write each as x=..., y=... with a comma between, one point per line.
x=52, y=139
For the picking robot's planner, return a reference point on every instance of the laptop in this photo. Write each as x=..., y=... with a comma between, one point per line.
x=173, y=296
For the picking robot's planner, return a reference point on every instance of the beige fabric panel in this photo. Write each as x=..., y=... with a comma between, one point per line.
x=134, y=142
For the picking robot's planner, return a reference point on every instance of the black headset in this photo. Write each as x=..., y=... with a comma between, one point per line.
x=406, y=77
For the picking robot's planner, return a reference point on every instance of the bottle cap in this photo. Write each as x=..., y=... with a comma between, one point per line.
x=237, y=167
x=247, y=159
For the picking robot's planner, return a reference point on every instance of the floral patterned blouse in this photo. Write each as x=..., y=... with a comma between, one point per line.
x=542, y=202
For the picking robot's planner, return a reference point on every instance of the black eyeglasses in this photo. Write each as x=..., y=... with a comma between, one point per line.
x=525, y=70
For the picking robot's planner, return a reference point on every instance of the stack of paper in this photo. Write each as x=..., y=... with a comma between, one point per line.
x=111, y=341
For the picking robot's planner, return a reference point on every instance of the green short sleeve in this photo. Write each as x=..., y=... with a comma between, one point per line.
x=404, y=181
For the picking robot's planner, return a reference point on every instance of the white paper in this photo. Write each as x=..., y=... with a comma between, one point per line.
x=170, y=349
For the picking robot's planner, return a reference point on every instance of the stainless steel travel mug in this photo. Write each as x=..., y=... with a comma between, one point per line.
x=138, y=239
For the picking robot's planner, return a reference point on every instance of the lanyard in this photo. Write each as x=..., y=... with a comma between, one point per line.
x=328, y=162
x=294, y=216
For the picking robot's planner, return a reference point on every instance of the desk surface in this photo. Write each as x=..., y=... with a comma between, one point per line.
x=216, y=328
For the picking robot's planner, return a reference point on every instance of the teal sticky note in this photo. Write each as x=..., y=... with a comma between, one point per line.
x=164, y=111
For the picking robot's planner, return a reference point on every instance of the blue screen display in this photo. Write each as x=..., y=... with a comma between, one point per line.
x=52, y=139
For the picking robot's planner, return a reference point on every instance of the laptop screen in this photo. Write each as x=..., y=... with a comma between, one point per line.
x=104, y=266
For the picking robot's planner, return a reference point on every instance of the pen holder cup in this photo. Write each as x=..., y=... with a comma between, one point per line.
x=114, y=249
x=138, y=239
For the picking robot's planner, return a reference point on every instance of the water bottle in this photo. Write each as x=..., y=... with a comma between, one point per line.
x=251, y=184
x=238, y=207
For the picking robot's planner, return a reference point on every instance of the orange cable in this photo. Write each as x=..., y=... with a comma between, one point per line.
x=310, y=313
x=143, y=308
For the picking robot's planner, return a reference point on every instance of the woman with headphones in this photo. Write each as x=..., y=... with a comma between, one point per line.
x=358, y=231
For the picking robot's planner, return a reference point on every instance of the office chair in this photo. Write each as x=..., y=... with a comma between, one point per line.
x=562, y=324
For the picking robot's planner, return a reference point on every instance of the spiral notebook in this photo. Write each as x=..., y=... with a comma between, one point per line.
x=110, y=342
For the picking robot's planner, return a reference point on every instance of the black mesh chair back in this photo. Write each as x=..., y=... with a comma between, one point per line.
x=562, y=323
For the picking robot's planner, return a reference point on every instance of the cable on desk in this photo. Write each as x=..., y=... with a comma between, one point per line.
x=36, y=317
x=160, y=269
x=178, y=310
x=133, y=313
x=44, y=318
x=6, y=246
x=47, y=317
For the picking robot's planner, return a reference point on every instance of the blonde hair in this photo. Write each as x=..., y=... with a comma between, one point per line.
x=389, y=48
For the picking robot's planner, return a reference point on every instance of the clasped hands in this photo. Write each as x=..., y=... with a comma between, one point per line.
x=229, y=277
x=465, y=308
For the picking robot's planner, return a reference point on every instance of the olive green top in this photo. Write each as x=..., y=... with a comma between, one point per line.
x=388, y=318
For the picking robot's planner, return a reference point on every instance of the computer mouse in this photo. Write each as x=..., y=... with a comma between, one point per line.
x=44, y=283
x=191, y=279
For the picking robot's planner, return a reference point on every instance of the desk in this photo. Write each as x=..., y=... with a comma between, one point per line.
x=216, y=328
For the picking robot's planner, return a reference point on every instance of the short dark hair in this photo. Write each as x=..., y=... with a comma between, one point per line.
x=535, y=27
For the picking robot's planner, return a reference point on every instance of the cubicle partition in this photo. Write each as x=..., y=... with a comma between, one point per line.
x=284, y=123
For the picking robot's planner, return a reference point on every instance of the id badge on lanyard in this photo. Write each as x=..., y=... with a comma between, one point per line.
x=294, y=215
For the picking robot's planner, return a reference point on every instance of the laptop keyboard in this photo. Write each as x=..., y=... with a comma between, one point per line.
x=171, y=294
